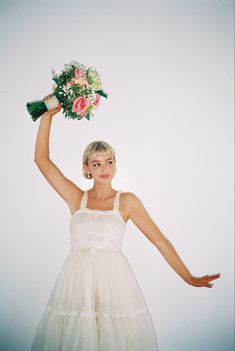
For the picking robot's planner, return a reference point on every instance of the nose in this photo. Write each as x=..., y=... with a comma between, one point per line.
x=103, y=168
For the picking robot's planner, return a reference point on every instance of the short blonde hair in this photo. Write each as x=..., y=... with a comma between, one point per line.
x=92, y=148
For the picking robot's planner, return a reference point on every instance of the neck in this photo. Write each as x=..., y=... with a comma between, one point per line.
x=101, y=191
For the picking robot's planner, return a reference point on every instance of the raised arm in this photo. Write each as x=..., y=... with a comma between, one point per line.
x=140, y=217
x=70, y=192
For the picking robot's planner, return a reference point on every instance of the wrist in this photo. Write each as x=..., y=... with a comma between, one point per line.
x=189, y=279
x=47, y=115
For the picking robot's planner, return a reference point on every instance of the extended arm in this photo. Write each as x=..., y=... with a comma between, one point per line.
x=62, y=185
x=140, y=217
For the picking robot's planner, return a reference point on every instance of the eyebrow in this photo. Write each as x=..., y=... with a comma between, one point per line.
x=110, y=158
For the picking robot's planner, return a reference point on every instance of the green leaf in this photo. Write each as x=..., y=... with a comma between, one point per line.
x=88, y=116
x=56, y=80
x=102, y=93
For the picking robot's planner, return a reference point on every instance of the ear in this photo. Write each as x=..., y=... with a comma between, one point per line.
x=86, y=169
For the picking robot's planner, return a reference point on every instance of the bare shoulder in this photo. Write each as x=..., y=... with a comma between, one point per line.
x=130, y=202
x=136, y=211
x=130, y=198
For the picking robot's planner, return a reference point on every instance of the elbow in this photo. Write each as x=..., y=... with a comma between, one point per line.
x=36, y=160
x=40, y=160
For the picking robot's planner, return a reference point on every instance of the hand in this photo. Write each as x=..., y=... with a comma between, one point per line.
x=53, y=111
x=204, y=281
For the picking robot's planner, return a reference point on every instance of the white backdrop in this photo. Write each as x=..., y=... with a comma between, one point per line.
x=168, y=69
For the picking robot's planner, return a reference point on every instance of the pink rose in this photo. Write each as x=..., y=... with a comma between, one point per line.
x=69, y=84
x=78, y=73
x=80, y=105
x=97, y=100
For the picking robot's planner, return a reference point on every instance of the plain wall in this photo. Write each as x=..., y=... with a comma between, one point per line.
x=168, y=69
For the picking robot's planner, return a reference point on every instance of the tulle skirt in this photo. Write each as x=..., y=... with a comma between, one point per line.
x=96, y=304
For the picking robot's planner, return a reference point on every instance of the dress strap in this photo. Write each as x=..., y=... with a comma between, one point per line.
x=117, y=201
x=84, y=200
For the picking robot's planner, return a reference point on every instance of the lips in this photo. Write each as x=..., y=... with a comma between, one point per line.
x=105, y=176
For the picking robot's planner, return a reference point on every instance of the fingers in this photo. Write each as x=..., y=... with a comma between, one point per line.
x=47, y=97
x=205, y=280
x=59, y=106
x=214, y=276
x=54, y=111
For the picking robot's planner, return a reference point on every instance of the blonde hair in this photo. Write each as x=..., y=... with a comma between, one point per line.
x=92, y=148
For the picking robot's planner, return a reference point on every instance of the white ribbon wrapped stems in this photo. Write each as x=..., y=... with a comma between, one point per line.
x=52, y=102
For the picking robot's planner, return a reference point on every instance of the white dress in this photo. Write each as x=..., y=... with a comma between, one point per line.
x=96, y=303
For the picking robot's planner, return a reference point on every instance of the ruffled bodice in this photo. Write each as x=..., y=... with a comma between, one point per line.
x=97, y=229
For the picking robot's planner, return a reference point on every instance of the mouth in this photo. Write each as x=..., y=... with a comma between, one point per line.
x=105, y=176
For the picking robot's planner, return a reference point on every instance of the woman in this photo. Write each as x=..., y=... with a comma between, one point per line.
x=96, y=303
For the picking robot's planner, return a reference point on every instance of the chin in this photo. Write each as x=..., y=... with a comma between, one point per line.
x=104, y=180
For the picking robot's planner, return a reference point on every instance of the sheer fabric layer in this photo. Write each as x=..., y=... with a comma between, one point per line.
x=96, y=303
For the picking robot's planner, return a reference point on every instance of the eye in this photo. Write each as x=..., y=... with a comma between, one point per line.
x=95, y=164
x=110, y=162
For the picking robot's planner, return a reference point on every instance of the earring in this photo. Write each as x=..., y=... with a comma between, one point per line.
x=89, y=175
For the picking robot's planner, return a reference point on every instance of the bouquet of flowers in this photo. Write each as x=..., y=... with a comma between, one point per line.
x=78, y=89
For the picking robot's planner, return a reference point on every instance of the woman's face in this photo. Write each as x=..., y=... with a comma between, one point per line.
x=102, y=167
